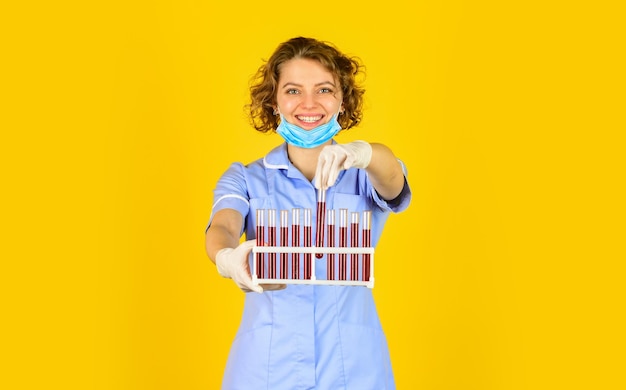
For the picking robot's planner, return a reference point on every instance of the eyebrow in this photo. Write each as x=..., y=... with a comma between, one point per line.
x=289, y=83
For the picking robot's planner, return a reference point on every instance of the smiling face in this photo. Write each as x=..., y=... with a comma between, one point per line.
x=308, y=95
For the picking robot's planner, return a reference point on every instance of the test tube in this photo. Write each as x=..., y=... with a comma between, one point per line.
x=321, y=216
x=330, y=258
x=271, y=232
x=295, y=242
x=343, y=242
x=367, y=242
x=260, y=241
x=284, y=241
x=307, y=243
x=354, y=243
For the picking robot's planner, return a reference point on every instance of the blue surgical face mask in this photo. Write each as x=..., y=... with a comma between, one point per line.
x=297, y=136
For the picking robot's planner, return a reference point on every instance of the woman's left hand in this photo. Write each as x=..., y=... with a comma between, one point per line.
x=335, y=158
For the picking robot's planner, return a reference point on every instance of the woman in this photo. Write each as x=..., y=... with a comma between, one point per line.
x=305, y=336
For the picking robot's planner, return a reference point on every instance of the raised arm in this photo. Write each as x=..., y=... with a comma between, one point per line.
x=385, y=172
x=381, y=164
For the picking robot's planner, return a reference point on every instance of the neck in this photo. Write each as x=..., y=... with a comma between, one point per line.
x=305, y=159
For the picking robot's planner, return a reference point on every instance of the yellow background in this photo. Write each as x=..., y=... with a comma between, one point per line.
x=118, y=117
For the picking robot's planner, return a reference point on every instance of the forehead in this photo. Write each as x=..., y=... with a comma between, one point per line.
x=303, y=70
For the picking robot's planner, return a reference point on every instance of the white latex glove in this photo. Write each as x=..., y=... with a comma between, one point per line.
x=335, y=158
x=233, y=263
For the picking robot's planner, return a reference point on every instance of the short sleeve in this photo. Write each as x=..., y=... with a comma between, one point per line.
x=231, y=192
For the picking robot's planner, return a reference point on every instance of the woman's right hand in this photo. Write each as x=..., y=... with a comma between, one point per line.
x=233, y=263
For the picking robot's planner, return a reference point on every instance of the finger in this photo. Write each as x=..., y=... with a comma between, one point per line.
x=332, y=179
x=317, y=183
x=245, y=283
x=333, y=171
x=348, y=162
x=256, y=289
x=247, y=244
x=317, y=180
x=320, y=169
x=246, y=247
x=273, y=287
x=326, y=166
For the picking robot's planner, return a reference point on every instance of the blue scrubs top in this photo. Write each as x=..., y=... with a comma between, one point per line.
x=306, y=336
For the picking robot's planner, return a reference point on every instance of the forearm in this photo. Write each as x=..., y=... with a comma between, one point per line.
x=224, y=232
x=385, y=172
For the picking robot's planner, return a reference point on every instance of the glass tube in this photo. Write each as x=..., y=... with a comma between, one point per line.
x=271, y=231
x=295, y=242
x=284, y=241
x=307, y=243
x=354, y=243
x=367, y=242
x=343, y=242
x=260, y=241
x=321, y=216
x=330, y=258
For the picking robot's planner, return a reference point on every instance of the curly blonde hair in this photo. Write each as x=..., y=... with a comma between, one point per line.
x=345, y=69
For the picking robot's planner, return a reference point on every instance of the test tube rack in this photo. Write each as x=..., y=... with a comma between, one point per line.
x=284, y=252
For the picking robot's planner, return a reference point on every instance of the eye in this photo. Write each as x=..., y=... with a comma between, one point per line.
x=326, y=90
x=292, y=91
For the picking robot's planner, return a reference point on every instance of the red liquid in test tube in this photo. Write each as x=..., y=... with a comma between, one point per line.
x=284, y=241
x=260, y=238
x=321, y=216
x=330, y=259
x=307, y=243
x=367, y=242
x=343, y=242
x=295, y=242
x=271, y=231
x=354, y=243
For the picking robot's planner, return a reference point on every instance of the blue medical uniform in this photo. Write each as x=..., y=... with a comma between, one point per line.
x=306, y=336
